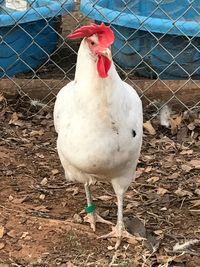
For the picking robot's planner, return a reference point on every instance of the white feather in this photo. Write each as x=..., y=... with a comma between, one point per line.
x=165, y=114
x=94, y=119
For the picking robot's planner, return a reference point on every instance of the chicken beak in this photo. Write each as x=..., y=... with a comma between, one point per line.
x=106, y=52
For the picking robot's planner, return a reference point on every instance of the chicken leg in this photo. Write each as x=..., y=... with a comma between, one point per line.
x=92, y=217
x=119, y=230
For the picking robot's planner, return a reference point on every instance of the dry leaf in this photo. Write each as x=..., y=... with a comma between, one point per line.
x=191, y=126
x=148, y=169
x=1, y=231
x=74, y=190
x=9, y=172
x=64, y=203
x=2, y=98
x=182, y=134
x=28, y=237
x=178, y=120
x=195, y=212
x=40, y=155
x=4, y=265
x=174, y=175
x=70, y=264
x=173, y=126
x=55, y=171
x=195, y=163
x=186, y=152
x=153, y=179
x=197, y=191
x=2, y=245
x=77, y=218
x=186, y=168
x=105, y=213
x=175, y=123
x=35, y=133
x=161, y=191
x=41, y=208
x=148, y=158
x=195, y=202
x=133, y=204
x=197, y=181
x=148, y=126
x=139, y=172
x=158, y=232
x=19, y=200
x=12, y=233
x=110, y=248
x=15, y=120
x=42, y=196
x=10, y=198
x=104, y=198
x=165, y=258
x=44, y=181
x=186, y=245
x=24, y=234
x=182, y=193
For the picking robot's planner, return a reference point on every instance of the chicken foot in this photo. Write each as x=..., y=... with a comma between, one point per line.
x=119, y=232
x=92, y=217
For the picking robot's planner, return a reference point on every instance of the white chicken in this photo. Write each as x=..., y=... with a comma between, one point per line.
x=99, y=122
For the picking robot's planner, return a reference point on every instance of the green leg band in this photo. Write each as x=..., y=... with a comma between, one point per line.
x=90, y=209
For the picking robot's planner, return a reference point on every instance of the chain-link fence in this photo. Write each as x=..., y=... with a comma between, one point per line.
x=156, y=49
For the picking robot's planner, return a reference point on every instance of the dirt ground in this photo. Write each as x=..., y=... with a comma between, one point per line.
x=41, y=214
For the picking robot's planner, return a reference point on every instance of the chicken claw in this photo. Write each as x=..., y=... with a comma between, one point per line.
x=93, y=218
x=120, y=233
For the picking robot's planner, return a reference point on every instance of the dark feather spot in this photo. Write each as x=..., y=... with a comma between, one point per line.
x=115, y=128
x=133, y=133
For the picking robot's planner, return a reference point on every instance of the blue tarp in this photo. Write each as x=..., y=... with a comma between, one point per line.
x=40, y=9
x=176, y=17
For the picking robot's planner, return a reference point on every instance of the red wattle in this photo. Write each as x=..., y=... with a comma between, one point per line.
x=103, y=66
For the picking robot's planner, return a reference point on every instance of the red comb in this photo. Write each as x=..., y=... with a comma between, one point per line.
x=105, y=34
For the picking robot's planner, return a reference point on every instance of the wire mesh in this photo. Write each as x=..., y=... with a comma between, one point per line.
x=156, y=50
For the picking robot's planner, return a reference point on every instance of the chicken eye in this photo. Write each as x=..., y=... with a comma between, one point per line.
x=92, y=43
